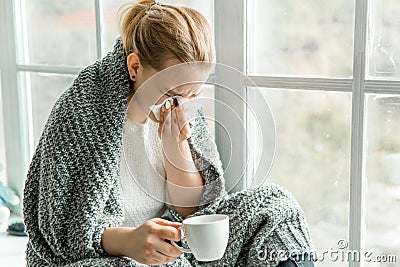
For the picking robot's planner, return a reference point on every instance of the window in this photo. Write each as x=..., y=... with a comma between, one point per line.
x=328, y=69
x=3, y=165
x=382, y=173
x=312, y=157
x=383, y=36
x=300, y=38
x=336, y=115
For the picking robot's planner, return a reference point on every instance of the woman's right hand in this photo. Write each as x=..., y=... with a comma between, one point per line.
x=147, y=244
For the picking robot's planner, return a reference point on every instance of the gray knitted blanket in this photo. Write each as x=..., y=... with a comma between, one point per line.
x=71, y=192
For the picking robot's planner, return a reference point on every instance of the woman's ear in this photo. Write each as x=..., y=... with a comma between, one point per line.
x=133, y=63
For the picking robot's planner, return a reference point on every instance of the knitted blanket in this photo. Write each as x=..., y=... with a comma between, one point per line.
x=71, y=191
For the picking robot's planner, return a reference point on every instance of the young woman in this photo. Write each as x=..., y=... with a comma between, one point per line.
x=93, y=196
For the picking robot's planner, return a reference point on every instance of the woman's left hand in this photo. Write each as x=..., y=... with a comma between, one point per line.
x=173, y=127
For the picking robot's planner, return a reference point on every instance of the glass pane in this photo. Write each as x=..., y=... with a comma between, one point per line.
x=383, y=177
x=384, y=39
x=312, y=159
x=300, y=37
x=3, y=170
x=110, y=22
x=45, y=90
x=205, y=7
x=111, y=17
x=61, y=32
x=209, y=108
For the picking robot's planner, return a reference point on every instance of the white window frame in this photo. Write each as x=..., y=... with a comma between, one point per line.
x=231, y=41
x=231, y=44
x=17, y=107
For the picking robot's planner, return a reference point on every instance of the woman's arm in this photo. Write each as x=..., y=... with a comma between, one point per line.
x=114, y=239
x=185, y=185
x=184, y=182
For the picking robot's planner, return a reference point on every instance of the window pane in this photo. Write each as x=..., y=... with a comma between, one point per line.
x=205, y=7
x=3, y=171
x=383, y=176
x=45, y=90
x=60, y=32
x=312, y=159
x=111, y=16
x=208, y=96
x=300, y=37
x=384, y=39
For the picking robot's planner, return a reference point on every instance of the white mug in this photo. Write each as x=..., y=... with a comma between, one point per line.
x=206, y=235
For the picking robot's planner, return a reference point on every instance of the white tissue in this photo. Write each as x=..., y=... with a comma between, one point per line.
x=156, y=109
x=190, y=106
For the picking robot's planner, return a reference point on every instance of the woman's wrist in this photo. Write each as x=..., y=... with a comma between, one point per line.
x=115, y=240
x=185, y=150
x=181, y=158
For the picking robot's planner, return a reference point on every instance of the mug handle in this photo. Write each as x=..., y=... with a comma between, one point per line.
x=186, y=250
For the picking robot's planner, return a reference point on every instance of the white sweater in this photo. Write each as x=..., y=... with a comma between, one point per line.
x=142, y=173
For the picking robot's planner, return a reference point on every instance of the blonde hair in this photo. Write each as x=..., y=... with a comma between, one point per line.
x=158, y=32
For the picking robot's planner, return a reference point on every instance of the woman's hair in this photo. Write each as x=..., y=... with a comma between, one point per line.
x=158, y=32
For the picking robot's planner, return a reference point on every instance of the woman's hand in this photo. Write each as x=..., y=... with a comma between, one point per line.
x=174, y=130
x=173, y=126
x=146, y=244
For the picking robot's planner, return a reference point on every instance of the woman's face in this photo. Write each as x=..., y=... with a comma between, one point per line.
x=188, y=91
x=151, y=89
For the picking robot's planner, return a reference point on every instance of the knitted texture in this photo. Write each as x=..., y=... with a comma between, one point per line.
x=142, y=173
x=71, y=192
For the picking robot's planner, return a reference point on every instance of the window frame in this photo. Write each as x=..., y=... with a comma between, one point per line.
x=358, y=86
x=230, y=39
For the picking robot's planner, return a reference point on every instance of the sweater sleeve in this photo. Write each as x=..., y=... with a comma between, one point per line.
x=70, y=192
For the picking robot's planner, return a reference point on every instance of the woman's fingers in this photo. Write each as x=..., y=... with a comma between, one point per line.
x=166, y=222
x=182, y=122
x=160, y=258
x=169, y=232
x=163, y=115
x=161, y=122
x=167, y=249
x=167, y=114
x=173, y=121
x=165, y=229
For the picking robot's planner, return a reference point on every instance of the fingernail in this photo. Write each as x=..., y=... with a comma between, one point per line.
x=176, y=103
x=167, y=104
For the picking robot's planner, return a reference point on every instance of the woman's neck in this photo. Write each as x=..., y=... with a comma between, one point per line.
x=135, y=113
